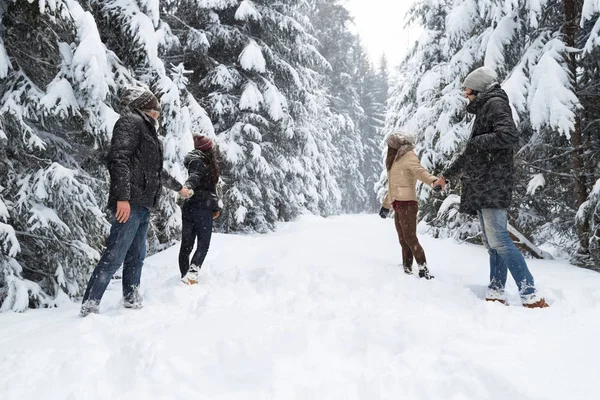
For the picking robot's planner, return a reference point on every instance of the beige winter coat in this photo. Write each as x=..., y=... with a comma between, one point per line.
x=403, y=176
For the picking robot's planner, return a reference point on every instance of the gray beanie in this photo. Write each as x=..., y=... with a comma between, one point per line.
x=481, y=79
x=398, y=139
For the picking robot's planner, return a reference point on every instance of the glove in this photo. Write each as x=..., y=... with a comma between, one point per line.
x=384, y=212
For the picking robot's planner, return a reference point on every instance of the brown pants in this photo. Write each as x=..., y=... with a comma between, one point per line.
x=405, y=218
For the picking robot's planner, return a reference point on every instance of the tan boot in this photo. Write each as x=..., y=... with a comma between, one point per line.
x=541, y=303
x=490, y=299
x=492, y=295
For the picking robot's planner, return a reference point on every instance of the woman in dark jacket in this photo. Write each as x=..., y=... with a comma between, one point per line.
x=200, y=209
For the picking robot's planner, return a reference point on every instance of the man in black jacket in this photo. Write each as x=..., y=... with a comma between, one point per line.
x=136, y=176
x=487, y=181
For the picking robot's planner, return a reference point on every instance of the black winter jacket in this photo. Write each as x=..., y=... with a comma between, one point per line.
x=486, y=165
x=135, y=163
x=199, y=180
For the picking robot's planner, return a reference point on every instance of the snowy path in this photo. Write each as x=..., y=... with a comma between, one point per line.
x=319, y=310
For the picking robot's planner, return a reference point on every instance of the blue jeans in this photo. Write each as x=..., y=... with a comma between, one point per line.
x=504, y=255
x=196, y=224
x=126, y=245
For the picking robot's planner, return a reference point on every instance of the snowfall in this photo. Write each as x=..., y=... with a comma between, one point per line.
x=320, y=309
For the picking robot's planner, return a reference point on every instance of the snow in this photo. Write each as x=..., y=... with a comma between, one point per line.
x=224, y=77
x=199, y=118
x=61, y=99
x=240, y=214
x=141, y=27
x=8, y=240
x=536, y=182
x=589, y=9
x=252, y=58
x=461, y=19
x=42, y=217
x=90, y=65
x=318, y=310
x=498, y=39
x=448, y=204
x=251, y=97
x=276, y=102
x=246, y=12
x=551, y=99
x=153, y=8
x=5, y=64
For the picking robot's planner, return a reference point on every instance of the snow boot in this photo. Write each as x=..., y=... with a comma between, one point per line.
x=495, y=295
x=134, y=301
x=408, y=269
x=424, y=272
x=541, y=303
x=193, y=275
x=89, y=307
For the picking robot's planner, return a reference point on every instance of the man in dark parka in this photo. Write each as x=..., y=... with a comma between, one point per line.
x=486, y=171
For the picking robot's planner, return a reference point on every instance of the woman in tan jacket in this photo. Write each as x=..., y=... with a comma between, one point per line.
x=404, y=169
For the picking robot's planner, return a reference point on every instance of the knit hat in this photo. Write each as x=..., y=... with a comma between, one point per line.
x=481, y=79
x=398, y=139
x=203, y=143
x=139, y=98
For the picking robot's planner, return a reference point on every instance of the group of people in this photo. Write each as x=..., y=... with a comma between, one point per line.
x=485, y=168
x=486, y=172
x=136, y=178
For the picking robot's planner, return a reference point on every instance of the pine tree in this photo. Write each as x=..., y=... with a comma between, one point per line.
x=342, y=50
x=372, y=87
x=257, y=73
x=55, y=92
x=588, y=215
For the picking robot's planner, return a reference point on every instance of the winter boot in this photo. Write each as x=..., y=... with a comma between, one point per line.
x=408, y=269
x=133, y=301
x=541, y=303
x=424, y=272
x=89, y=307
x=493, y=295
x=192, y=276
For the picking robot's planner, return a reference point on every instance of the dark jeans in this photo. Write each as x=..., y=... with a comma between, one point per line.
x=196, y=224
x=405, y=218
x=504, y=255
x=126, y=244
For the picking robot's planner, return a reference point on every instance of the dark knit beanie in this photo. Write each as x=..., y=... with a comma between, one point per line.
x=138, y=98
x=203, y=143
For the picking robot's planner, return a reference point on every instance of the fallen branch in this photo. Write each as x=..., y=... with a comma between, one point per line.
x=536, y=251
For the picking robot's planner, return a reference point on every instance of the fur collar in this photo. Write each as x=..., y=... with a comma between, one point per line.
x=405, y=148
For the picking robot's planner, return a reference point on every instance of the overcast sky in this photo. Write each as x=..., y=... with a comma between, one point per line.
x=380, y=24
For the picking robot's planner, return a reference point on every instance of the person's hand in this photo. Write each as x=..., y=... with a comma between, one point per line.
x=123, y=211
x=384, y=212
x=216, y=214
x=185, y=192
x=441, y=182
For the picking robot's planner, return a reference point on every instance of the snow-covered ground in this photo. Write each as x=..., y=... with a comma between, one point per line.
x=318, y=310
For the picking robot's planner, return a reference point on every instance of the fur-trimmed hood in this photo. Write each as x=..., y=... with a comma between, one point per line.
x=401, y=142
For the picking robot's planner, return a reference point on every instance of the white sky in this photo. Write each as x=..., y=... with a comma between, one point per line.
x=380, y=24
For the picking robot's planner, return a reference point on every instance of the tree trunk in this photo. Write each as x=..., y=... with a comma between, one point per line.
x=572, y=14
